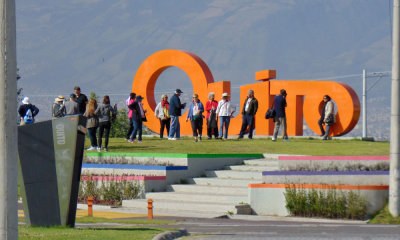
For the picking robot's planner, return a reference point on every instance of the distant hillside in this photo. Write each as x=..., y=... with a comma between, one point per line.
x=99, y=44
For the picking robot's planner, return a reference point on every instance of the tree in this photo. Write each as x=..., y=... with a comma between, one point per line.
x=120, y=127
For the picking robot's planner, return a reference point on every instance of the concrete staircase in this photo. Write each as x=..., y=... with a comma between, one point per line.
x=215, y=194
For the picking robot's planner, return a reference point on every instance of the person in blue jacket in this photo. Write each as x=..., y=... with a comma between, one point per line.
x=175, y=111
x=280, y=119
x=195, y=115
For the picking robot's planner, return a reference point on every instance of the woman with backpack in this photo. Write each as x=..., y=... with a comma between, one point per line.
x=92, y=123
x=27, y=112
x=106, y=114
x=161, y=112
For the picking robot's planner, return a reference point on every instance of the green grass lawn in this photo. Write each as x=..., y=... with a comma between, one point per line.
x=384, y=217
x=301, y=146
x=65, y=233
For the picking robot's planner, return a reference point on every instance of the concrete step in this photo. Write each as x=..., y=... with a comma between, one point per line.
x=253, y=168
x=201, y=189
x=251, y=175
x=204, y=198
x=181, y=206
x=262, y=162
x=223, y=182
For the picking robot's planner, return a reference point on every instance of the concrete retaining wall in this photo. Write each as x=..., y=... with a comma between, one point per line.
x=175, y=166
x=147, y=183
x=173, y=174
x=269, y=199
x=333, y=163
x=327, y=177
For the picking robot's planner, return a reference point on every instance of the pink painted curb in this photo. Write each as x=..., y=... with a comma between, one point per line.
x=348, y=158
x=125, y=178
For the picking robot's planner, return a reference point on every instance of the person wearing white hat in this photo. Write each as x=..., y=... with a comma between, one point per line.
x=224, y=112
x=58, y=108
x=27, y=112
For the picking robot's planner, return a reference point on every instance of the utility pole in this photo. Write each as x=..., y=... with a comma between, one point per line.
x=394, y=186
x=8, y=123
x=364, y=97
x=364, y=105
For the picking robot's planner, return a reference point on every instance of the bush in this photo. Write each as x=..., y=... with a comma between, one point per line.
x=120, y=127
x=331, y=203
x=109, y=192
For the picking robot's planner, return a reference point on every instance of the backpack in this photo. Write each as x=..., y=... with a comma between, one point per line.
x=28, y=118
x=270, y=113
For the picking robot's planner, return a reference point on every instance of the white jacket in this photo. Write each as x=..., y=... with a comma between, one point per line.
x=224, y=109
x=159, y=111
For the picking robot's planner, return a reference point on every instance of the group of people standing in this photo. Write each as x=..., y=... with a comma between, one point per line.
x=222, y=111
x=100, y=116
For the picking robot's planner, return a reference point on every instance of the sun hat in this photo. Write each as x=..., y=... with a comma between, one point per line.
x=25, y=100
x=60, y=98
x=225, y=94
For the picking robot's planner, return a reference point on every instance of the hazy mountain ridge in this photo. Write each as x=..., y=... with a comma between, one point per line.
x=100, y=44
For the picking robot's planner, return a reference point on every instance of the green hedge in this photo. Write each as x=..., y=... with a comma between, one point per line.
x=329, y=203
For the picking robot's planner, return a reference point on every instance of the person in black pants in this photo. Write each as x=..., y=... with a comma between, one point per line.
x=129, y=101
x=105, y=114
x=250, y=107
x=162, y=113
x=195, y=115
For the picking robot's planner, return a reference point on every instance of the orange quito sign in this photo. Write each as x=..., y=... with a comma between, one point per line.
x=304, y=99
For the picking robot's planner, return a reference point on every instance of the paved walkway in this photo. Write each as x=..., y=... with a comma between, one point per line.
x=256, y=227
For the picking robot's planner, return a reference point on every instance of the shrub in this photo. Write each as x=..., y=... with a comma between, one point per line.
x=108, y=192
x=330, y=203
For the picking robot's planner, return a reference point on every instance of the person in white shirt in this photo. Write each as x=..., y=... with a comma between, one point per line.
x=224, y=112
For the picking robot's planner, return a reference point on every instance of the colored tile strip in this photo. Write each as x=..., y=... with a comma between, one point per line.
x=351, y=158
x=175, y=155
x=313, y=173
x=320, y=186
x=126, y=178
x=128, y=166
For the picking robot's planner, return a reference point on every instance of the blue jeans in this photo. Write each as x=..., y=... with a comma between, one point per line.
x=224, y=120
x=175, y=127
x=248, y=120
x=137, y=129
x=92, y=136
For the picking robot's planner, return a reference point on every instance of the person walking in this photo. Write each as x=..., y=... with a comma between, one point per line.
x=328, y=117
x=249, y=111
x=81, y=99
x=92, y=123
x=58, y=108
x=161, y=112
x=195, y=116
x=224, y=112
x=280, y=117
x=71, y=106
x=212, y=123
x=175, y=108
x=129, y=101
x=105, y=113
x=27, y=112
x=138, y=114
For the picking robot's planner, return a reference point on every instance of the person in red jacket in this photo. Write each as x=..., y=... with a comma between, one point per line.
x=212, y=125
